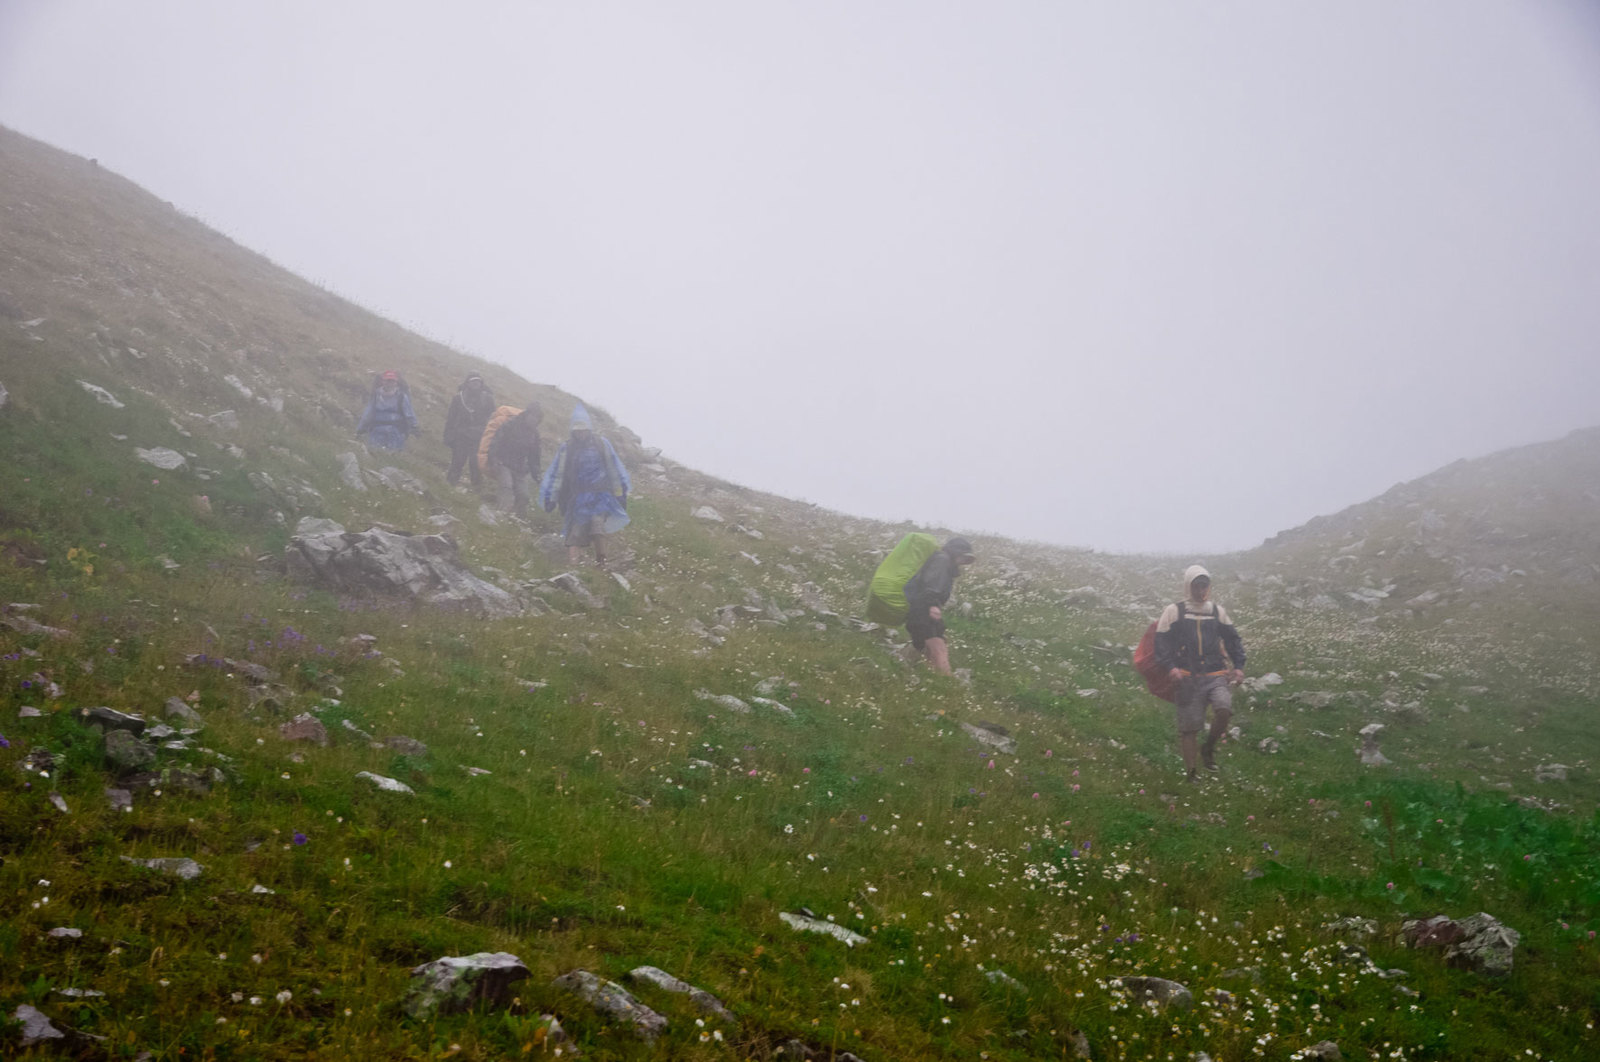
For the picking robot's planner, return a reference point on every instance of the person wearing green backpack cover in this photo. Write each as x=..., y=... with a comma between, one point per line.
x=912, y=585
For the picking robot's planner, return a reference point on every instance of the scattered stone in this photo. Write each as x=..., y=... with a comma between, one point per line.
x=262, y=890
x=177, y=709
x=766, y=702
x=127, y=752
x=59, y=802
x=406, y=746
x=487, y=515
x=1551, y=772
x=1243, y=973
x=723, y=700
x=1159, y=991
x=423, y=567
x=707, y=513
x=1480, y=942
x=304, y=727
x=318, y=525
x=768, y=686
x=807, y=924
x=166, y=459
x=101, y=395
x=111, y=719
x=65, y=933
x=80, y=993
x=455, y=984
x=28, y=711
x=1269, y=745
x=615, y=1002
x=1315, y=698
x=399, y=479
x=358, y=732
x=227, y=420
x=1261, y=683
x=1326, y=1051
x=621, y=580
x=702, y=999
x=350, y=472
x=569, y=582
x=994, y=735
x=388, y=785
x=119, y=799
x=26, y=625
x=1000, y=977
x=1370, y=755
x=173, y=866
x=36, y=1027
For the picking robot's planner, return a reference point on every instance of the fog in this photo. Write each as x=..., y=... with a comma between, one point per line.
x=1135, y=276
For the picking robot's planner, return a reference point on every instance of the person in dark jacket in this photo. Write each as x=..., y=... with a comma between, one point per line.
x=463, y=426
x=388, y=418
x=514, y=458
x=926, y=595
x=1198, y=644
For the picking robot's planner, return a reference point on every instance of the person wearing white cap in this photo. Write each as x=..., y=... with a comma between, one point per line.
x=1200, y=647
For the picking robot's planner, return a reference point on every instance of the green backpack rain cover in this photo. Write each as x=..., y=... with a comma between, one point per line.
x=886, y=595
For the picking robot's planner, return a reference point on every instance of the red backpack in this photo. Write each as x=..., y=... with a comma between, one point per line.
x=1156, y=678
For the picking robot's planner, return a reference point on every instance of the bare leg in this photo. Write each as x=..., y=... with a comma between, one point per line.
x=1219, y=726
x=599, y=551
x=938, y=654
x=574, y=556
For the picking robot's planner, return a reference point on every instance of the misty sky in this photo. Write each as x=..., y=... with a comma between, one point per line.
x=1136, y=276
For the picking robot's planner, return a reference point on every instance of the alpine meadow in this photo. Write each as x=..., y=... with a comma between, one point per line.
x=695, y=804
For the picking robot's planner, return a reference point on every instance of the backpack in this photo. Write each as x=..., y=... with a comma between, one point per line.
x=1156, y=678
x=497, y=418
x=886, y=594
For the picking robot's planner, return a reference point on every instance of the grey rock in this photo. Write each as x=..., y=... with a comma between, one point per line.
x=1005, y=980
x=487, y=516
x=422, y=567
x=993, y=735
x=350, y=472
x=173, y=866
x=406, y=746
x=807, y=924
x=101, y=395
x=1369, y=752
x=1315, y=698
x=401, y=480
x=1269, y=745
x=79, y=993
x=723, y=700
x=119, y=799
x=388, y=785
x=26, y=625
x=111, y=719
x=166, y=459
x=443, y=520
x=127, y=752
x=767, y=702
x=358, y=732
x=59, y=802
x=1326, y=1051
x=5, y=396
x=458, y=983
x=227, y=420
x=1161, y=992
x=1551, y=772
x=1353, y=927
x=614, y=1002
x=28, y=711
x=65, y=933
x=707, y=513
x=570, y=583
x=176, y=709
x=705, y=1001
x=1080, y=1044
x=318, y=525
x=1480, y=942
x=304, y=727
x=36, y=1027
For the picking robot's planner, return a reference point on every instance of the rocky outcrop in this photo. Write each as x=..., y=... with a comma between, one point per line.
x=458, y=983
x=1480, y=943
x=614, y=1002
x=420, y=567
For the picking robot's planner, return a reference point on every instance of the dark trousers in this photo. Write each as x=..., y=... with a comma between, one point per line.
x=464, y=456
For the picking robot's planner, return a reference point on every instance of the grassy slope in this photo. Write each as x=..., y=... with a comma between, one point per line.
x=1082, y=858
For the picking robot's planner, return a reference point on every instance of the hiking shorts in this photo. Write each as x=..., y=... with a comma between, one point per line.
x=921, y=626
x=1197, y=691
x=584, y=531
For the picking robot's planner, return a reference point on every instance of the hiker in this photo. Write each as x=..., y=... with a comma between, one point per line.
x=589, y=484
x=388, y=418
x=463, y=427
x=926, y=594
x=514, y=459
x=1198, y=645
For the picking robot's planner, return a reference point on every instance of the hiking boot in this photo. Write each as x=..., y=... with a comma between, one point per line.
x=1208, y=756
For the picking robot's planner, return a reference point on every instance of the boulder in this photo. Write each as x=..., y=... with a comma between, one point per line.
x=318, y=525
x=350, y=472
x=458, y=983
x=176, y=709
x=1370, y=755
x=119, y=799
x=614, y=1002
x=1480, y=943
x=167, y=460
x=304, y=727
x=993, y=735
x=111, y=719
x=705, y=1001
x=1159, y=992
x=36, y=1027
x=423, y=567
x=127, y=752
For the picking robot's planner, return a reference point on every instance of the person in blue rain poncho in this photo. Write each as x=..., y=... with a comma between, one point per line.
x=388, y=418
x=589, y=485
